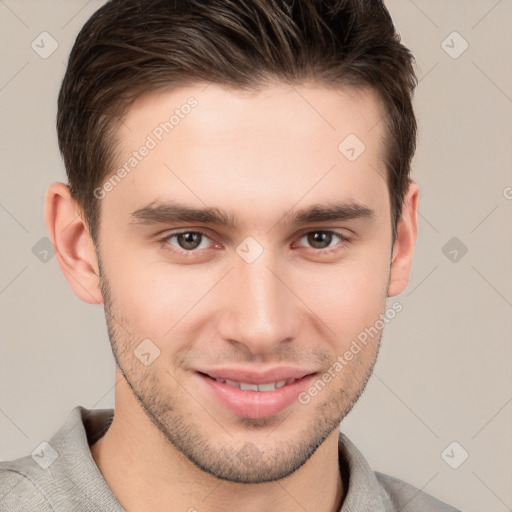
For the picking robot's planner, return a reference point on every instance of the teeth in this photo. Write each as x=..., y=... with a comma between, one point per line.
x=264, y=387
x=244, y=386
x=248, y=387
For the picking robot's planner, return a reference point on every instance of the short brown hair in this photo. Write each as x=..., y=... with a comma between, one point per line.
x=128, y=48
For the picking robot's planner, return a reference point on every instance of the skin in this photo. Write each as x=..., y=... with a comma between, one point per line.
x=258, y=156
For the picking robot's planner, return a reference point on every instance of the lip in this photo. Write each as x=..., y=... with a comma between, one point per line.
x=255, y=404
x=258, y=377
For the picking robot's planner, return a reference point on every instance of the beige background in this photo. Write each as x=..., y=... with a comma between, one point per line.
x=444, y=372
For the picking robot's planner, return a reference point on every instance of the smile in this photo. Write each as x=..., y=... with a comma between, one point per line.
x=269, y=386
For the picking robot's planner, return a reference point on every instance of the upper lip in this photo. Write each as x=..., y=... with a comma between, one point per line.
x=263, y=376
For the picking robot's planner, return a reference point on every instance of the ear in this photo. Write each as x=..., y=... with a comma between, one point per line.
x=72, y=242
x=403, y=249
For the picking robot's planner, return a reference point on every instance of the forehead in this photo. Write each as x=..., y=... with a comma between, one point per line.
x=276, y=107
x=208, y=144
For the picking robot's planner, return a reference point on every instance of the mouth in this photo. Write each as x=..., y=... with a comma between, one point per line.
x=255, y=396
x=246, y=386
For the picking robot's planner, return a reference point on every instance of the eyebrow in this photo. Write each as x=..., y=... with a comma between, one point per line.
x=172, y=212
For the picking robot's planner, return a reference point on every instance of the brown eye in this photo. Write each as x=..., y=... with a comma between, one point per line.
x=187, y=240
x=324, y=241
x=319, y=239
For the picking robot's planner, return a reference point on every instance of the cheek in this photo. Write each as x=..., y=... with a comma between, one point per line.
x=152, y=297
x=347, y=298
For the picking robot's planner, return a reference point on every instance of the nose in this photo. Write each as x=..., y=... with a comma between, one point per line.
x=260, y=311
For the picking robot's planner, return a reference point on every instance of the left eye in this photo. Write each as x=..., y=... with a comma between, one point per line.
x=321, y=239
x=188, y=240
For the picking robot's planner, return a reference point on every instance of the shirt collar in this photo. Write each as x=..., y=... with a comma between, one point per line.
x=364, y=493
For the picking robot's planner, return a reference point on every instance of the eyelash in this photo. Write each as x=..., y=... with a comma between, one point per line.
x=193, y=253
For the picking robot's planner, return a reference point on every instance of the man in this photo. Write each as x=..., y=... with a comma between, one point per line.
x=240, y=201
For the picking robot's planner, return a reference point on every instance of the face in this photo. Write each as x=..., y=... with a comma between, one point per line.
x=244, y=246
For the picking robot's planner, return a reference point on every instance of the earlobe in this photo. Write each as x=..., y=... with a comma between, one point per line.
x=74, y=248
x=405, y=242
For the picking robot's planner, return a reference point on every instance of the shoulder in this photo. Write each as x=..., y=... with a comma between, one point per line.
x=19, y=492
x=403, y=494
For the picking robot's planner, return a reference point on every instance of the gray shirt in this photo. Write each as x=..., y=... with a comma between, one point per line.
x=61, y=476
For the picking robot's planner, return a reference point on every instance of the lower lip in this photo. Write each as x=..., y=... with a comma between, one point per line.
x=255, y=404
